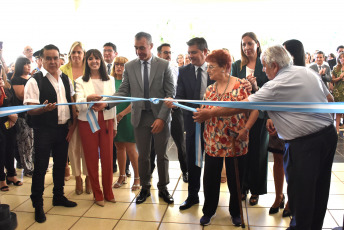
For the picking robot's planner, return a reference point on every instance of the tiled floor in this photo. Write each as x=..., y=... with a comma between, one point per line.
x=155, y=213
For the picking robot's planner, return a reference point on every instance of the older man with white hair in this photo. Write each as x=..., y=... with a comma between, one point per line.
x=310, y=138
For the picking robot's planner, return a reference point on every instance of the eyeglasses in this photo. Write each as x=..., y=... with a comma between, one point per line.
x=28, y=50
x=119, y=64
x=212, y=67
x=167, y=52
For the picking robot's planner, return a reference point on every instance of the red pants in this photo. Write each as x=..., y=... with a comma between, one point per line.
x=102, y=139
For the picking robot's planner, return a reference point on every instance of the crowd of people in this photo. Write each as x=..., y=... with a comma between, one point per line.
x=235, y=142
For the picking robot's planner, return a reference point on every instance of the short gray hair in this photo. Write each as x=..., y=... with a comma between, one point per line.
x=277, y=54
x=140, y=35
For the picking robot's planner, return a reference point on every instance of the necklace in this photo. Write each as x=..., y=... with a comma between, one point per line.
x=217, y=93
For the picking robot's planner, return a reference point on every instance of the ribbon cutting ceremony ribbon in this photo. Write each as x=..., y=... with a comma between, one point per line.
x=198, y=136
x=305, y=107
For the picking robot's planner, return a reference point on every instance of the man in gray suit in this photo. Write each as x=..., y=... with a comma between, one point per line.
x=322, y=68
x=148, y=77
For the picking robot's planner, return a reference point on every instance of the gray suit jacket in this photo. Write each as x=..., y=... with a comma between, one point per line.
x=160, y=86
x=327, y=78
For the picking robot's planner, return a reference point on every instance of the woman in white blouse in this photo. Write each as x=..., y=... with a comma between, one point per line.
x=89, y=87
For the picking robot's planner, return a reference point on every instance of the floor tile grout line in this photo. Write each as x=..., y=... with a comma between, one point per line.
x=169, y=204
x=333, y=217
x=124, y=212
x=75, y=222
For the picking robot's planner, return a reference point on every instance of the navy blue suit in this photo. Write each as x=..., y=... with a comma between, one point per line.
x=185, y=90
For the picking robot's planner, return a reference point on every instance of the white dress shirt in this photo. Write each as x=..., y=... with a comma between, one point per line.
x=204, y=78
x=31, y=94
x=149, y=64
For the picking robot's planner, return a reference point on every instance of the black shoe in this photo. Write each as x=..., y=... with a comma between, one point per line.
x=128, y=173
x=188, y=203
x=142, y=196
x=186, y=177
x=275, y=210
x=39, y=215
x=165, y=195
x=205, y=220
x=63, y=201
x=254, y=200
x=236, y=220
x=286, y=213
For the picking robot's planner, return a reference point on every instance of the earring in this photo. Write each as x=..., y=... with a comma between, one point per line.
x=223, y=71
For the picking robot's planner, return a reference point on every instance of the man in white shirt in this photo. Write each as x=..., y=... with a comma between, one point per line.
x=49, y=86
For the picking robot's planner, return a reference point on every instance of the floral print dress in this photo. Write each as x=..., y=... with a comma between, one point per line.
x=338, y=89
x=217, y=141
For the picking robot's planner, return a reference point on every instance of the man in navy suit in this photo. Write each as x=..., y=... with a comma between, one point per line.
x=192, y=83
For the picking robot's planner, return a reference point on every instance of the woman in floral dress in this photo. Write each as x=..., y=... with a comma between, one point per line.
x=338, y=89
x=218, y=142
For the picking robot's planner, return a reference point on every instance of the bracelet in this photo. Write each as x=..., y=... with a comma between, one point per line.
x=247, y=129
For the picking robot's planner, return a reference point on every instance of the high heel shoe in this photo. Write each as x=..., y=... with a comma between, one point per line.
x=254, y=200
x=78, y=185
x=286, y=213
x=135, y=185
x=112, y=200
x=4, y=187
x=281, y=205
x=17, y=183
x=67, y=173
x=120, y=184
x=88, y=185
x=100, y=203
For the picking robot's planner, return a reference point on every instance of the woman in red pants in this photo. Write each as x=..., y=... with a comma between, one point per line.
x=89, y=87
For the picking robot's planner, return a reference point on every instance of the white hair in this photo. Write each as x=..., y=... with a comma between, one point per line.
x=277, y=54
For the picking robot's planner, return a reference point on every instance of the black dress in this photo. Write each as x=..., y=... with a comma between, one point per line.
x=256, y=166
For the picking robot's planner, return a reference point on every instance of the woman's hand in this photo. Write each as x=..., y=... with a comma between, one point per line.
x=341, y=76
x=271, y=128
x=94, y=97
x=114, y=133
x=119, y=117
x=247, y=86
x=243, y=135
x=253, y=80
x=202, y=115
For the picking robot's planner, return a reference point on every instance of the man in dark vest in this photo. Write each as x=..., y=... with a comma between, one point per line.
x=49, y=86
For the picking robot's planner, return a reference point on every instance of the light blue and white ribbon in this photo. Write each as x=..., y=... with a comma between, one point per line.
x=305, y=107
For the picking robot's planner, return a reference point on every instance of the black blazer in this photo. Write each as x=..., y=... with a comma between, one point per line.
x=185, y=90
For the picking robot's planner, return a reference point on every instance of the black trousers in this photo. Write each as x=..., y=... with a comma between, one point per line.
x=7, y=147
x=193, y=170
x=48, y=140
x=177, y=133
x=212, y=182
x=307, y=165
